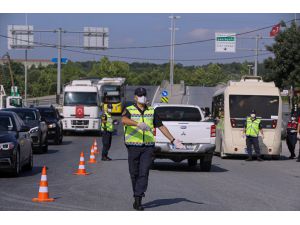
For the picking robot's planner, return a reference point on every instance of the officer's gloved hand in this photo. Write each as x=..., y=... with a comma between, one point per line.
x=298, y=136
x=143, y=126
x=178, y=144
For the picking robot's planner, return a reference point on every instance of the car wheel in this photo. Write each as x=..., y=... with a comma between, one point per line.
x=17, y=167
x=57, y=140
x=29, y=165
x=45, y=147
x=192, y=162
x=205, y=165
x=61, y=138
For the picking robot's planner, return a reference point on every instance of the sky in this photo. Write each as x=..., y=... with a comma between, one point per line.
x=146, y=30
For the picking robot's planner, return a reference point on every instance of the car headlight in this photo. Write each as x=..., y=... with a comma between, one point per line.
x=34, y=130
x=53, y=125
x=7, y=146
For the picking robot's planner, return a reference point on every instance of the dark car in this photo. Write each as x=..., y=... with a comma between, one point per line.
x=53, y=119
x=15, y=144
x=38, y=128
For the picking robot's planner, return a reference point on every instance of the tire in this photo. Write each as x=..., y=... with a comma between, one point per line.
x=192, y=162
x=29, y=165
x=17, y=165
x=205, y=165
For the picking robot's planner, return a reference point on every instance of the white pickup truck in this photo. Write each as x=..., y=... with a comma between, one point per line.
x=186, y=123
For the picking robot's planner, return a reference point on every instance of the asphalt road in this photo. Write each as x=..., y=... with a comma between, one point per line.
x=232, y=184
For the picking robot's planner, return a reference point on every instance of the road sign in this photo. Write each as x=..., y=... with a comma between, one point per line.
x=164, y=100
x=20, y=36
x=225, y=42
x=95, y=38
x=164, y=93
x=63, y=60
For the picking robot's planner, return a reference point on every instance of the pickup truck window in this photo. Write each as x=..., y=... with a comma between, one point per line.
x=173, y=113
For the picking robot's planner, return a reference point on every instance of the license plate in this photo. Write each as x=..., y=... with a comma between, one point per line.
x=189, y=147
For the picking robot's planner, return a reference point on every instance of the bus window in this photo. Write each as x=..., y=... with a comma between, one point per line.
x=266, y=106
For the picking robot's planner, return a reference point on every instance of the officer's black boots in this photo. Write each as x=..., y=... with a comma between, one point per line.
x=137, y=205
x=249, y=158
x=259, y=158
x=105, y=158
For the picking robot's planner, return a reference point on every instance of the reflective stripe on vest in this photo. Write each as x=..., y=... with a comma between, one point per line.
x=108, y=126
x=134, y=135
x=252, y=127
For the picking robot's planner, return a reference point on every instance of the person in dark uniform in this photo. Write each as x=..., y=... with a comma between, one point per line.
x=298, y=137
x=139, y=121
x=251, y=129
x=107, y=129
x=291, y=135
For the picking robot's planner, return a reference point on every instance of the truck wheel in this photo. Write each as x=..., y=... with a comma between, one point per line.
x=192, y=162
x=205, y=165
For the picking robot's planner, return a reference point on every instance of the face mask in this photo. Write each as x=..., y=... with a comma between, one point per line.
x=252, y=115
x=109, y=110
x=142, y=99
x=293, y=118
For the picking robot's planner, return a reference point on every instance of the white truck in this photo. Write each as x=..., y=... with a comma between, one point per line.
x=81, y=107
x=187, y=123
x=9, y=101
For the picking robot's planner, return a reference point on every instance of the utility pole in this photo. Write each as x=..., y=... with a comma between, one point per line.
x=58, y=66
x=25, y=65
x=172, y=49
x=256, y=54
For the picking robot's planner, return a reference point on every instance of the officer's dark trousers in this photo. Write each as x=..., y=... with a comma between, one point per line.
x=291, y=141
x=106, y=141
x=139, y=161
x=252, y=141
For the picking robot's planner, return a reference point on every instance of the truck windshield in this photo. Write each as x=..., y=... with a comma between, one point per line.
x=80, y=98
x=6, y=123
x=173, y=113
x=266, y=107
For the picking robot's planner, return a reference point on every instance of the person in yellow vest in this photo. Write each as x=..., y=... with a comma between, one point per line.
x=107, y=129
x=139, y=121
x=251, y=129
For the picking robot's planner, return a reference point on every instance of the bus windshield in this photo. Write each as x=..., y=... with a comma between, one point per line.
x=111, y=99
x=80, y=98
x=266, y=107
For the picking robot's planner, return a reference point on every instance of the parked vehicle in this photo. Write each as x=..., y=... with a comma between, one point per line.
x=81, y=107
x=187, y=123
x=38, y=128
x=53, y=120
x=15, y=144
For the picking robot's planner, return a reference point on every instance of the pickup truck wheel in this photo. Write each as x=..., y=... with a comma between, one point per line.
x=192, y=162
x=205, y=165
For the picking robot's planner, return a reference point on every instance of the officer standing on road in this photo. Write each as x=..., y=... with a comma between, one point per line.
x=251, y=129
x=298, y=137
x=139, y=121
x=107, y=129
x=291, y=135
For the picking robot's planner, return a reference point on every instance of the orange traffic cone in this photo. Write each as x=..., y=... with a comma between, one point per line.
x=43, y=190
x=81, y=168
x=92, y=156
x=96, y=151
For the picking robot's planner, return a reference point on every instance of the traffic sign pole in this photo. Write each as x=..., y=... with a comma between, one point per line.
x=58, y=67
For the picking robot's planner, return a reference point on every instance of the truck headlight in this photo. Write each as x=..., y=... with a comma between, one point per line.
x=34, y=130
x=7, y=146
x=53, y=125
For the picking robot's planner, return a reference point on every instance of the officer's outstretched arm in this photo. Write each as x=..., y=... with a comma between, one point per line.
x=166, y=132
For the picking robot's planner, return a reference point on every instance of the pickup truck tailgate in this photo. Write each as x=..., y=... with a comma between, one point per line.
x=187, y=132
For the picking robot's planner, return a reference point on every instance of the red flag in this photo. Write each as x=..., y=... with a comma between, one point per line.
x=79, y=111
x=275, y=30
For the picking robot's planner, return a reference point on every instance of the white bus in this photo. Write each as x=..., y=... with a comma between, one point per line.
x=233, y=103
x=112, y=91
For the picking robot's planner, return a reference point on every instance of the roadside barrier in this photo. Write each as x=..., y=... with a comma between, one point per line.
x=81, y=168
x=43, y=195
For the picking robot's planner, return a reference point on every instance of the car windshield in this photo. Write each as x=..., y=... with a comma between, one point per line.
x=266, y=107
x=6, y=123
x=27, y=115
x=47, y=113
x=178, y=114
x=80, y=98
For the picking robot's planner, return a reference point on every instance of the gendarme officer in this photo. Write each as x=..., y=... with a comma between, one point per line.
x=139, y=121
x=107, y=129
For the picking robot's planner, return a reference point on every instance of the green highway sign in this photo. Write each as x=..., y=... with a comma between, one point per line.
x=225, y=42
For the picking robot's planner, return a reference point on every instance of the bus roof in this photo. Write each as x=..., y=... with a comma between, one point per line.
x=112, y=81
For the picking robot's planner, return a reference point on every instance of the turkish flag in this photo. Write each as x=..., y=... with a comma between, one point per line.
x=275, y=30
x=79, y=111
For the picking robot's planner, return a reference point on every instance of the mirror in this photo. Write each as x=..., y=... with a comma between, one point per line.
x=24, y=129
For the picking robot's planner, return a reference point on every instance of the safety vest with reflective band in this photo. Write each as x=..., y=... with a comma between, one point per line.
x=108, y=126
x=252, y=127
x=134, y=135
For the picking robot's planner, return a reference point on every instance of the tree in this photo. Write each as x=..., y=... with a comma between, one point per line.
x=285, y=66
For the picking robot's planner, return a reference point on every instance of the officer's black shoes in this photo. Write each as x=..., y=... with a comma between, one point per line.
x=137, y=205
x=106, y=158
x=259, y=159
x=292, y=157
x=298, y=160
x=249, y=158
